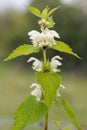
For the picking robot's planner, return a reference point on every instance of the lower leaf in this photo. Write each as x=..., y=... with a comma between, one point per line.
x=29, y=112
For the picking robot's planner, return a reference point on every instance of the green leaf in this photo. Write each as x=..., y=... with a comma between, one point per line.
x=34, y=10
x=44, y=13
x=29, y=112
x=66, y=129
x=22, y=50
x=53, y=10
x=52, y=23
x=50, y=83
x=63, y=47
x=57, y=123
x=65, y=106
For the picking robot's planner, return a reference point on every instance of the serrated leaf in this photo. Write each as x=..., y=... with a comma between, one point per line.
x=22, y=50
x=50, y=83
x=63, y=47
x=53, y=10
x=34, y=10
x=67, y=109
x=29, y=112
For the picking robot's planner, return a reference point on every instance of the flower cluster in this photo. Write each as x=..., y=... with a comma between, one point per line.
x=54, y=64
x=45, y=38
x=37, y=92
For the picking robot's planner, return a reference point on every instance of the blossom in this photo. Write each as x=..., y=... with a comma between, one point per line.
x=45, y=38
x=37, y=64
x=55, y=63
x=61, y=86
x=37, y=91
x=35, y=37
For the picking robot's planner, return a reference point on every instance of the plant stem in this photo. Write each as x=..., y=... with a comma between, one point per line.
x=44, y=55
x=46, y=122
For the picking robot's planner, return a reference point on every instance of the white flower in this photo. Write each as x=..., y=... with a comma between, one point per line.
x=37, y=91
x=61, y=86
x=34, y=36
x=55, y=63
x=37, y=64
x=45, y=38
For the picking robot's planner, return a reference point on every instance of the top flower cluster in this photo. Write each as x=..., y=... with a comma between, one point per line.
x=47, y=36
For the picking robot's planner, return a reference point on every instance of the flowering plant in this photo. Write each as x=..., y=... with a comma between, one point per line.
x=48, y=85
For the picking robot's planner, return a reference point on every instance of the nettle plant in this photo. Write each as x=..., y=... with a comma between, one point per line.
x=46, y=89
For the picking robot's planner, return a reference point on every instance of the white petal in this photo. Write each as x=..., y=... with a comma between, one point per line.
x=37, y=91
x=33, y=32
x=37, y=68
x=58, y=94
x=38, y=99
x=34, y=85
x=56, y=62
x=31, y=59
x=54, y=33
x=61, y=86
x=55, y=70
x=37, y=64
x=57, y=57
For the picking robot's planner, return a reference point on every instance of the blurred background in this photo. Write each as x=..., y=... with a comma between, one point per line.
x=16, y=76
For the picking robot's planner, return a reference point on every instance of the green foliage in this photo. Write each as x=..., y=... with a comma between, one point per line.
x=34, y=10
x=50, y=83
x=29, y=112
x=58, y=124
x=22, y=50
x=52, y=23
x=67, y=109
x=63, y=47
x=53, y=10
x=66, y=129
x=45, y=13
